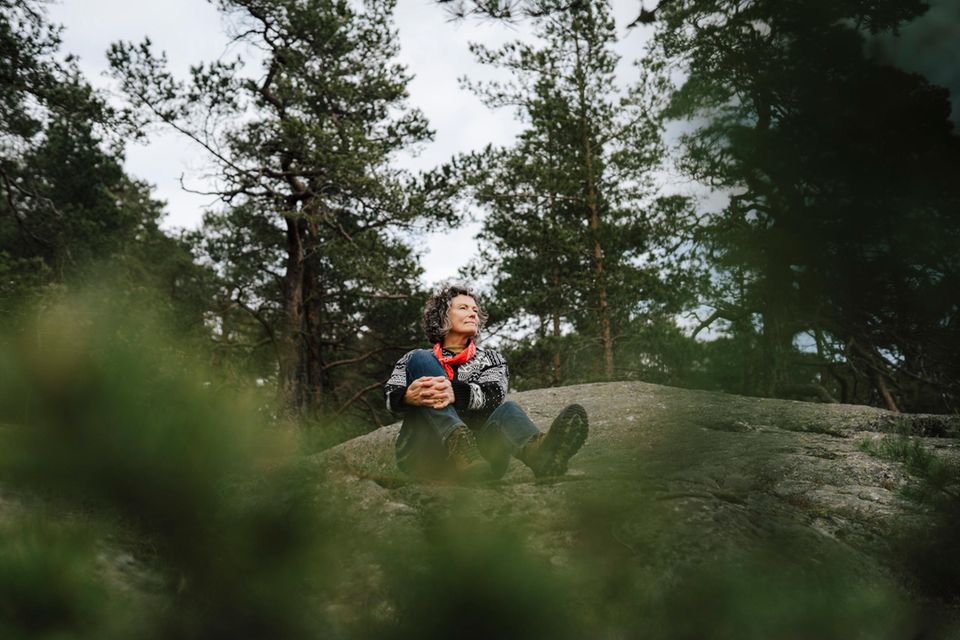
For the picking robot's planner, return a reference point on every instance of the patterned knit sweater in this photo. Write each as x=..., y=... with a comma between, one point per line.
x=479, y=385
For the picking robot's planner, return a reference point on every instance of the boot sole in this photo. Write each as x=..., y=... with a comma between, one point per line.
x=567, y=434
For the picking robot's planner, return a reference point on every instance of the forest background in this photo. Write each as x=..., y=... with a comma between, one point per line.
x=766, y=204
x=764, y=201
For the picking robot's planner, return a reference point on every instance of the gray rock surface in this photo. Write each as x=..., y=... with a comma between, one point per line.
x=670, y=477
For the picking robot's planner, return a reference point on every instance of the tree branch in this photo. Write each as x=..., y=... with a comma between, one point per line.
x=340, y=363
x=719, y=314
x=271, y=334
x=359, y=394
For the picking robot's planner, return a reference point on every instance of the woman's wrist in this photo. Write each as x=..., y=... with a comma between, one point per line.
x=408, y=398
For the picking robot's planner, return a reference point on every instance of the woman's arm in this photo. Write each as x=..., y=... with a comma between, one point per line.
x=486, y=390
x=396, y=385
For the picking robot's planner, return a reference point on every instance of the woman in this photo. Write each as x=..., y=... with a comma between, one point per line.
x=456, y=421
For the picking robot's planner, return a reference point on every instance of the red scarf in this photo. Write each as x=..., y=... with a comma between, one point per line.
x=458, y=359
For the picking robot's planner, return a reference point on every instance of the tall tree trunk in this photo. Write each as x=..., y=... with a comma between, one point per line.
x=557, y=373
x=606, y=334
x=875, y=364
x=556, y=298
x=313, y=387
x=291, y=360
x=778, y=304
x=885, y=392
x=776, y=348
x=302, y=373
x=593, y=209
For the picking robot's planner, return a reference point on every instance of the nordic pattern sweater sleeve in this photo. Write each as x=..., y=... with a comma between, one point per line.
x=396, y=385
x=486, y=375
x=479, y=385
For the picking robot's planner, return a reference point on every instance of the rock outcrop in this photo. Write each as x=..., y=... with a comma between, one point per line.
x=671, y=478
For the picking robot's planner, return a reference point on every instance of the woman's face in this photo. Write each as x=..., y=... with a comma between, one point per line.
x=464, y=317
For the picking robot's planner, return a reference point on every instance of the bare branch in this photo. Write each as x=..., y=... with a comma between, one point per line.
x=360, y=394
x=361, y=358
x=271, y=334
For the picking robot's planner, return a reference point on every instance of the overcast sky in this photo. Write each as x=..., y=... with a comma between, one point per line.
x=432, y=47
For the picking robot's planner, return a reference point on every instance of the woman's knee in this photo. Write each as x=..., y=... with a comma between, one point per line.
x=422, y=363
x=422, y=356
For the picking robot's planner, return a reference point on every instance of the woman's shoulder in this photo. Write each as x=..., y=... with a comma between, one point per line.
x=490, y=356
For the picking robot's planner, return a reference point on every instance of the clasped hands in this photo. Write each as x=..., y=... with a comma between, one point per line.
x=435, y=392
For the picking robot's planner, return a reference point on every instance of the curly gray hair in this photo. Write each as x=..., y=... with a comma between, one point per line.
x=436, y=319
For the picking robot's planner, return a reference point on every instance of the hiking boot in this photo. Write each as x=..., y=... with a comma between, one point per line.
x=463, y=454
x=547, y=454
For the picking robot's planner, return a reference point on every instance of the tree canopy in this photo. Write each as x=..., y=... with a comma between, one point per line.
x=69, y=214
x=842, y=198
x=312, y=202
x=827, y=272
x=577, y=233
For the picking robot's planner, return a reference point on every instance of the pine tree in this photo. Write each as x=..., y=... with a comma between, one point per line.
x=842, y=200
x=302, y=152
x=573, y=216
x=69, y=214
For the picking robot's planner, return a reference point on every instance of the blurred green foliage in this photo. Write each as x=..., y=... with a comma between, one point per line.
x=474, y=579
x=112, y=426
x=137, y=500
x=50, y=581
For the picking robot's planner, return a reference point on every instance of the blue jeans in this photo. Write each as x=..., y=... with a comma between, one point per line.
x=420, y=446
